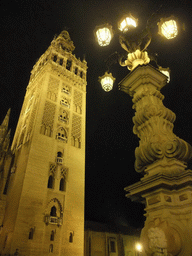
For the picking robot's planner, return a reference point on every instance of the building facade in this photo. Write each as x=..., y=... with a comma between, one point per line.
x=105, y=240
x=42, y=196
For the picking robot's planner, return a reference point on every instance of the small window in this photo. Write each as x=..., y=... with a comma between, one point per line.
x=112, y=245
x=54, y=58
x=62, y=184
x=61, y=62
x=71, y=237
x=59, y=154
x=31, y=233
x=50, y=182
x=52, y=236
x=68, y=64
x=76, y=71
x=53, y=212
x=81, y=74
x=51, y=248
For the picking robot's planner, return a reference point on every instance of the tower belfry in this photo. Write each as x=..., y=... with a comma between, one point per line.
x=44, y=211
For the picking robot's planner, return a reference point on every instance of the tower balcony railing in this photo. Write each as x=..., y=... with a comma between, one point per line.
x=61, y=138
x=53, y=220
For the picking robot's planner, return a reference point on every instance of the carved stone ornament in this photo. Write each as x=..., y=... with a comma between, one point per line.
x=159, y=238
x=153, y=122
x=157, y=241
x=134, y=59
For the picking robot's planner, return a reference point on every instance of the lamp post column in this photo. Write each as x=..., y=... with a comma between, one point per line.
x=166, y=188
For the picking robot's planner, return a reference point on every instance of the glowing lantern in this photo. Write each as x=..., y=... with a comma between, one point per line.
x=127, y=22
x=168, y=27
x=103, y=34
x=166, y=72
x=138, y=247
x=107, y=81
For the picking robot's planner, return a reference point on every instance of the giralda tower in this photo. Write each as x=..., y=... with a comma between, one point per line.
x=44, y=211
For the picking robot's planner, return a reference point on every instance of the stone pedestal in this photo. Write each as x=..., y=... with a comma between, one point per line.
x=166, y=188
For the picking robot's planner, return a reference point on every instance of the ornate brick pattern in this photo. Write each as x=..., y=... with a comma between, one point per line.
x=78, y=97
x=48, y=119
x=76, y=131
x=53, y=88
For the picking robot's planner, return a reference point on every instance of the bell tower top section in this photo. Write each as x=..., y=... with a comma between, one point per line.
x=59, y=58
x=63, y=42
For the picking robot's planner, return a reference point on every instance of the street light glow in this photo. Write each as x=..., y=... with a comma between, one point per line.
x=138, y=247
x=127, y=22
x=168, y=28
x=103, y=34
x=107, y=81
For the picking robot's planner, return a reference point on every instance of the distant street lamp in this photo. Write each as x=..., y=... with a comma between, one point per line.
x=138, y=249
x=166, y=185
x=107, y=81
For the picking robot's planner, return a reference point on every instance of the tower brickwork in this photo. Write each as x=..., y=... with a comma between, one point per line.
x=45, y=195
x=5, y=163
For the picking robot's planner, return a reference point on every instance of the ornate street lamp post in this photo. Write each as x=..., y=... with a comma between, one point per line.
x=166, y=187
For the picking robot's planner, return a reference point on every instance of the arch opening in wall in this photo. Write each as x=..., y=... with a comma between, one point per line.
x=52, y=236
x=53, y=211
x=68, y=64
x=51, y=248
x=62, y=185
x=31, y=231
x=62, y=134
x=50, y=182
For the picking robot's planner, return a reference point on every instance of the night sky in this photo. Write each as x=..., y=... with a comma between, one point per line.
x=27, y=29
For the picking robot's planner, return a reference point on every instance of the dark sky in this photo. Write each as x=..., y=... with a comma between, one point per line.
x=27, y=28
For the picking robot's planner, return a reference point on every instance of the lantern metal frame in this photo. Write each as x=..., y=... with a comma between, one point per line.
x=127, y=19
x=98, y=38
x=164, y=21
x=107, y=86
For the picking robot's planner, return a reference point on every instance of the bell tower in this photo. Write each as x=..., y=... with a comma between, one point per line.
x=45, y=196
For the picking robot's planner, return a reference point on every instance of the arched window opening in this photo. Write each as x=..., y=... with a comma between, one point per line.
x=59, y=154
x=68, y=64
x=62, y=134
x=62, y=184
x=31, y=233
x=50, y=182
x=71, y=237
x=54, y=58
x=51, y=248
x=81, y=74
x=52, y=236
x=61, y=62
x=76, y=71
x=53, y=212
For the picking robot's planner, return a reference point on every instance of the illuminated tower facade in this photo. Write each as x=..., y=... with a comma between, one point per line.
x=44, y=211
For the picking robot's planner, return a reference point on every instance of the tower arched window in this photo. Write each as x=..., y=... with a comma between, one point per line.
x=68, y=64
x=59, y=154
x=54, y=58
x=52, y=235
x=61, y=62
x=76, y=71
x=51, y=248
x=71, y=237
x=62, y=184
x=53, y=211
x=31, y=233
x=50, y=182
